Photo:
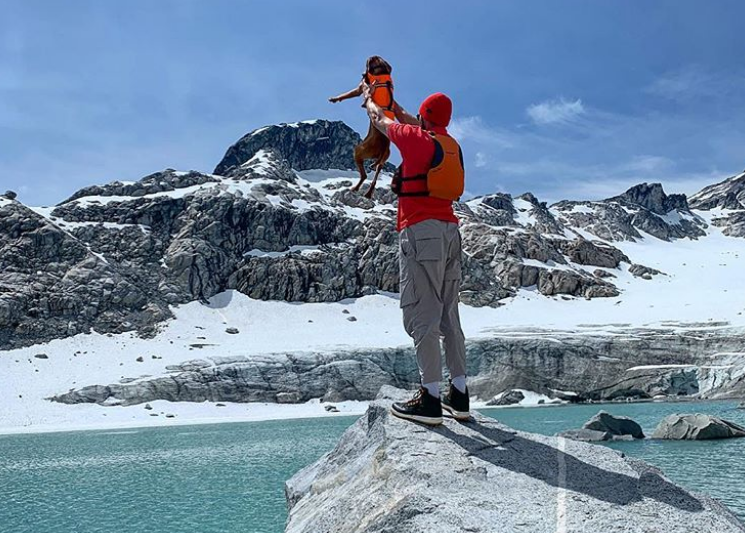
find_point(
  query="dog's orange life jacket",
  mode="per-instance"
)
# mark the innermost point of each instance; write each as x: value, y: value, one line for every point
x: 446, y: 176
x: 382, y: 92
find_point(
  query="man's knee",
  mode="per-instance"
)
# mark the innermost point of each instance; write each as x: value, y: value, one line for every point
x: 418, y: 325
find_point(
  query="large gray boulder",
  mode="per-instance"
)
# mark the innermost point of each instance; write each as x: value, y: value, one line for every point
x: 605, y: 426
x: 696, y: 427
x: 615, y: 425
x: 393, y: 476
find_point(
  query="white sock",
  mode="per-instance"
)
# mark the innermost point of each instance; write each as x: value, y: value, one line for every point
x: 432, y: 388
x: 459, y: 382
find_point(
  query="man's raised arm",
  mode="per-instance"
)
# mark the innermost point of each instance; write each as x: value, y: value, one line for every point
x: 403, y: 116
x: 375, y: 112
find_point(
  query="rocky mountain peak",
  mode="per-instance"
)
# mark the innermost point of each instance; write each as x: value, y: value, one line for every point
x: 312, y: 144
x: 727, y: 194
x: 651, y: 196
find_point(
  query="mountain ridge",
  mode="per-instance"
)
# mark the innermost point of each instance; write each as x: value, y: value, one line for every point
x: 172, y: 237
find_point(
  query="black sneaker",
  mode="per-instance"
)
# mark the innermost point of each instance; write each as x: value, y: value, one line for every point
x: 423, y: 407
x: 455, y: 402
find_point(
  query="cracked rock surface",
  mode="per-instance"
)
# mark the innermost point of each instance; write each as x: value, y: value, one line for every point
x: 389, y: 475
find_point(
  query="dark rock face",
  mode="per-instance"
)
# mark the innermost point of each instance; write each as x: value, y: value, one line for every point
x: 387, y: 475
x: 53, y: 285
x: 644, y: 272
x: 614, y: 425
x: 652, y: 198
x: 697, y: 427
x: 304, y: 145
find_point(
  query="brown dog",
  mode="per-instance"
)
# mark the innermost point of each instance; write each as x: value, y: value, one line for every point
x: 375, y: 145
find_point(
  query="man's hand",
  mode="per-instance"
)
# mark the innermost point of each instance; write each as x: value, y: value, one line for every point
x: 334, y: 99
x: 377, y: 117
x: 366, y: 91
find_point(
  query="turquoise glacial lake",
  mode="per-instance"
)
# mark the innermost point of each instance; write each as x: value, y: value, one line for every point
x: 226, y: 478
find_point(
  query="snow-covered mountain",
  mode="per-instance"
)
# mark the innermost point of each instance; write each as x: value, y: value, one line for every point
x: 119, y: 270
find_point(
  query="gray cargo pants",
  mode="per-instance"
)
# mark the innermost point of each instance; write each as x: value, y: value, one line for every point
x: 430, y: 264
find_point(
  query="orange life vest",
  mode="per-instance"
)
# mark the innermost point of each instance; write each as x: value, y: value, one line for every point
x: 446, y: 176
x: 382, y: 91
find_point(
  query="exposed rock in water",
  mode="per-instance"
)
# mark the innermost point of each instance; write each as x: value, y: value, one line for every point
x: 511, y: 397
x: 614, y: 425
x: 741, y: 406
x: 697, y: 427
x: 585, y: 435
x: 393, y: 476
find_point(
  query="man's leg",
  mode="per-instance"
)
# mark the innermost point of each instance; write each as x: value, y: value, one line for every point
x: 456, y: 399
x: 422, y: 261
x: 423, y: 256
x: 454, y: 340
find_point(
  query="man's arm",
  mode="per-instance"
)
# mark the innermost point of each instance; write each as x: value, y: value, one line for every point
x: 403, y: 116
x: 374, y: 111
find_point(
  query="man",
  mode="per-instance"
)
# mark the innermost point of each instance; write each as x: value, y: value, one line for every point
x: 429, y: 258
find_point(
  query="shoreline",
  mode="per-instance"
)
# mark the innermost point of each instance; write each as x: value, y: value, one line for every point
x: 272, y: 412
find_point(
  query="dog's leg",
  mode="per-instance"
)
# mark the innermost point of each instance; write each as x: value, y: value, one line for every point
x: 371, y: 190
x: 363, y: 151
x: 378, y: 167
x: 360, y: 161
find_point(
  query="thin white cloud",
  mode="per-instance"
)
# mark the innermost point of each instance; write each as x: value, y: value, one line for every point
x: 694, y: 81
x: 481, y: 160
x: 474, y: 129
x: 557, y: 111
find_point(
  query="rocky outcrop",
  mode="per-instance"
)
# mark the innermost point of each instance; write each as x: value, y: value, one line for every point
x: 594, y: 367
x: 643, y: 272
x: 614, y: 425
x: 389, y: 475
x: 586, y: 435
x: 53, y: 285
x: 604, y: 426
x: 696, y: 427
x: 728, y: 197
x: 313, y: 144
x: 643, y: 207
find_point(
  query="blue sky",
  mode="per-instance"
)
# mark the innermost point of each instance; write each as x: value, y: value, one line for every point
x: 572, y: 99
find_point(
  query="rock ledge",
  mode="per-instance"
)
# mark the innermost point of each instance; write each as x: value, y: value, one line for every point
x: 389, y: 475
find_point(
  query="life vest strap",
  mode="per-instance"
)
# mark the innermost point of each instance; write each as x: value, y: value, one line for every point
x: 415, y: 178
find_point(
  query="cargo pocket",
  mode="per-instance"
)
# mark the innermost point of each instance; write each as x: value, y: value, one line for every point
x: 408, y: 295
x: 428, y: 241
x: 453, y: 271
x: 453, y: 267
